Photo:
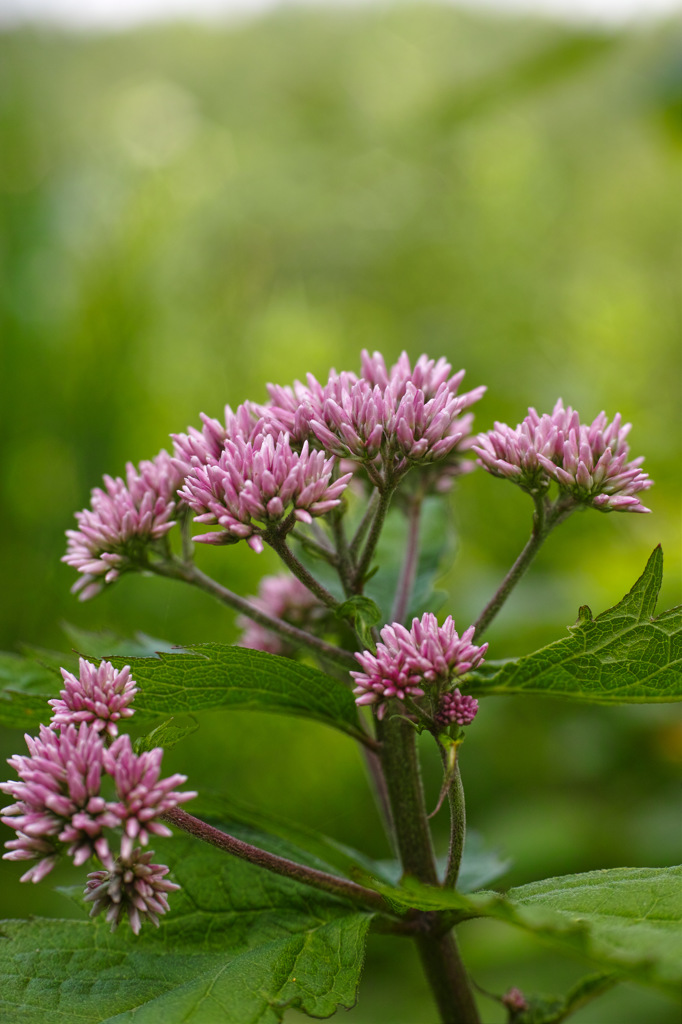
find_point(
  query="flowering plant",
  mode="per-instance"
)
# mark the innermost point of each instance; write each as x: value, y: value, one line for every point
x: 256, y: 924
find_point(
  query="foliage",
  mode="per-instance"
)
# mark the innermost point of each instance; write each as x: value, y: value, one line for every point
x: 506, y: 200
x: 240, y: 945
x: 622, y: 655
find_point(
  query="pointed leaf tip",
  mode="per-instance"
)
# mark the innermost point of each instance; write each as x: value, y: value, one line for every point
x: 622, y: 655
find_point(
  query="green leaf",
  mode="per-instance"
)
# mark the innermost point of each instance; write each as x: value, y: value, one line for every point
x: 26, y: 675
x: 238, y: 944
x: 624, y: 655
x: 23, y: 711
x: 624, y: 919
x: 25, y: 687
x: 363, y: 613
x: 206, y: 676
x: 167, y: 734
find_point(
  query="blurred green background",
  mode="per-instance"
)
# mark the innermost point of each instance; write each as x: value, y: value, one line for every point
x: 188, y: 213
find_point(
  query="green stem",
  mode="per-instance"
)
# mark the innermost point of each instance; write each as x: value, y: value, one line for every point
x: 545, y: 518
x: 373, y: 538
x: 186, y: 535
x: 457, y: 828
x: 278, y: 865
x: 279, y: 544
x: 409, y: 568
x: 363, y: 526
x: 438, y: 950
x: 188, y: 573
x: 343, y: 557
x: 448, y: 979
x: 403, y: 778
x: 322, y: 550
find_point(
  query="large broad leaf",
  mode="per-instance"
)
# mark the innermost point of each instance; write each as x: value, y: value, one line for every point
x: 208, y: 676
x: 625, y: 919
x: 239, y: 944
x: 622, y: 655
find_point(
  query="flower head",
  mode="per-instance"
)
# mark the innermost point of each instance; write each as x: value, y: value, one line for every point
x: 408, y: 660
x: 516, y: 453
x: 133, y: 887
x: 206, y: 445
x: 593, y: 467
x: 100, y: 695
x: 396, y: 417
x: 439, y: 651
x: 428, y: 375
x: 515, y: 1000
x: 124, y: 519
x: 290, y: 409
x: 455, y: 707
x: 258, y: 483
x: 588, y: 462
x: 385, y: 419
x: 58, y: 797
x: 283, y: 597
x: 43, y: 849
x: 142, y: 796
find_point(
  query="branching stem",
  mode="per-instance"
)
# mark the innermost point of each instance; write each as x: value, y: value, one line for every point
x: 278, y: 543
x: 374, y: 534
x: 278, y: 865
x: 545, y: 518
x: 189, y: 573
x: 363, y: 526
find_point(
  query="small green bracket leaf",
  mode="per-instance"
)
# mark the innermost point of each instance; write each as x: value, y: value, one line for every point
x: 364, y: 614
x: 167, y: 734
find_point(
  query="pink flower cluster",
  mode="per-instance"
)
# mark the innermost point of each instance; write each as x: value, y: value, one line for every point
x: 123, y: 519
x: 142, y: 796
x: 62, y: 804
x: 59, y: 799
x: 515, y: 1000
x: 409, y: 659
x: 385, y: 419
x: 283, y: 597
x: 590, y: 463
x: 206, y: 445
x: 275, y: 463
x: 456, y: 707
x: 258, y: 483
x: 131, y: 886
x: 100, y: 695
